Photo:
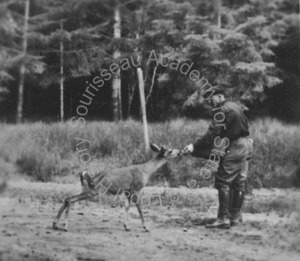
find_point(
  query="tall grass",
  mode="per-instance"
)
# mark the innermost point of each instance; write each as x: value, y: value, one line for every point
x: 49, y: 151
x: 276, y: 152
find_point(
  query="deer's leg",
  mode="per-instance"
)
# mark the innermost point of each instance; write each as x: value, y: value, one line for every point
x: 61, y: 210
x: 67, y: 216
x: 127, y: 206
x: 139, y: 208
x: 72, y: 200
x: 67, y: 202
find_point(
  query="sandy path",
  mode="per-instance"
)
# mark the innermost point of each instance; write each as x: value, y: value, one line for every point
x: 96, y: 233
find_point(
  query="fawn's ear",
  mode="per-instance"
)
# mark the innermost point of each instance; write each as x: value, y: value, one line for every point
x: 154, y: 147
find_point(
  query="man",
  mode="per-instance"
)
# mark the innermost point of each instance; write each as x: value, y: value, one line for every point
x: 228, y: 147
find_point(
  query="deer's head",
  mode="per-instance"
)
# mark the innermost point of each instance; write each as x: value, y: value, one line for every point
x: 164, y: 152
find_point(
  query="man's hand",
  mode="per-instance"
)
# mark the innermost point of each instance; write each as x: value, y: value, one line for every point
x: 188, y: 149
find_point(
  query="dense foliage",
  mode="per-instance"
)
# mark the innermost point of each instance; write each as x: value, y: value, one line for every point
x: 238, y: 44
x: 58, y: 151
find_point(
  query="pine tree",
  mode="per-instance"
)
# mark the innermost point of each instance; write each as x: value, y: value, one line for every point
x: 17, y: 25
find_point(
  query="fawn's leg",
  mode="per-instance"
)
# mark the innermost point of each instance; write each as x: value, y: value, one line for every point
x: 72, y: 200
x: 67, y: 202
x: 139, y: 208
x: 61, y: 210
x: 127, y: 206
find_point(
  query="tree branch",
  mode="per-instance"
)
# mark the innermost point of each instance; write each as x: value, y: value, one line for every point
x: 152, y: 83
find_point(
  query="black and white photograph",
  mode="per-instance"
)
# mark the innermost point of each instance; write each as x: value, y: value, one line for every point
x: 140, y: 130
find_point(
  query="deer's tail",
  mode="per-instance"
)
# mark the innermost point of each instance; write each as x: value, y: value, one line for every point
x: 86, y: 180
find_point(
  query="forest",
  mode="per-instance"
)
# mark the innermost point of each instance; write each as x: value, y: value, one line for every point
x: 52, y: 50
x: 88, y: 87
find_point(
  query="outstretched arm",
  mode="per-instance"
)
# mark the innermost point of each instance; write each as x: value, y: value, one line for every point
x: 203, y: 146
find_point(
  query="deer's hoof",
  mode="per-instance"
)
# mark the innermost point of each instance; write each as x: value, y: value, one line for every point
x: 54, y: 225
x: 146, y: 229
x: 126, y: 228
x: 65, y: 228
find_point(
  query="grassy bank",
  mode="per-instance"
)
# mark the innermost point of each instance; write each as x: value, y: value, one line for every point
x: 51, y: 152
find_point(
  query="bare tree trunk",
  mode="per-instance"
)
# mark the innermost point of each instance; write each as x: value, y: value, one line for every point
x: 61, y: 76
x: 22, y: 66
x: 131, y: 89
x: 71, y: 102
x: 116, y: 81
x: 217, y: 7
x: 152, y: 84
x: 218, y: 13
x: 143, y: 107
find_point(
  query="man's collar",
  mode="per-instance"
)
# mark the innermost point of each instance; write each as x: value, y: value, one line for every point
x: 220, y: 104
x: 223, y: 102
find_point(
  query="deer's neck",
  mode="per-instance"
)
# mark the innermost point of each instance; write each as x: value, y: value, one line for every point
x: 150, y: 167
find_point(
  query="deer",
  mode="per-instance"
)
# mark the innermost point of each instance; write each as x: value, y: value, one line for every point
x: 126, y: 181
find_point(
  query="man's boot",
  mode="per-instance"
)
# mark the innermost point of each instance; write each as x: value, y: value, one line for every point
x: 223, y: 213
x: 235, y: 208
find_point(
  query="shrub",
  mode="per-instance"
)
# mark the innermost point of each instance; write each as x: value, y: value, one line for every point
x: 45, y: 151
x: 276, y: 152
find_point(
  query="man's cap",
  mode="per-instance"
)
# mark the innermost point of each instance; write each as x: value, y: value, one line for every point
x: 214, y: 90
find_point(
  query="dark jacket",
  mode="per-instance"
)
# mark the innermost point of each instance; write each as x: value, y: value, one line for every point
x: 228, y: 121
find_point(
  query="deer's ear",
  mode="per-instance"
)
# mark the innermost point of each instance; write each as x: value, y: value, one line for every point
x: 154, y: 147
x: 163, y: 148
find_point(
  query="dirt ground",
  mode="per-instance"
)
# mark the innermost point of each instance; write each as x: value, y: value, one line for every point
x: 177, y: 232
